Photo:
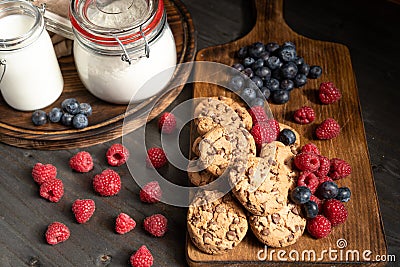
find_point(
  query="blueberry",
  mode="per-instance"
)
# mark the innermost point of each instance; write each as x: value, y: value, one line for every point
x: 238, y: 67
x: 272, y: 84
x: 264, y: 56
x: 85, y: 109
x: 315, y: 72
x: 344, y: 194
x: 287, y: 53
x: 80, y: 121
x: 289, y: 70
x: 257, y: 102
x: 328, y: 190
x: 258, y: 64
x: 273, y: 63
x: 248, y: 94
x: 287, y: 137
x: 300, y: 195
x: 271, y: 47
x: 248, y: 72
x: 55, y: 114
x: 256, y: 49
x: 236, y: 83
x: 304, y: 69
x: 257, y: 81
x: 298, y: 61
x: 70, y: 105
x: 66, y: 119
x: 299, y: 80
x: 248, y: 61
x: 276, y: 74
x: 310, y: 209
x: 39, y: 117
x: 266, y: 92
x: 243, y: 52
x: 287, y: 85
x: 289, y: 44
x: 280, y: 96
x: 263, y: 72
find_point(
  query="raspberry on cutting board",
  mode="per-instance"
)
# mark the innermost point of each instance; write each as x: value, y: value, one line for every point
x: 339, y: 169
x: 328, y: 129
x: 328, y: 93
x: 335, y: 211
x: 307, y: 162
x: 319, y: 227
x: 304, y: 115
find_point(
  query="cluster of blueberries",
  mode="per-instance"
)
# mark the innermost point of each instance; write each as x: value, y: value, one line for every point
x: 275, y: 69
x: 327, y: 190
x: 71, y: 113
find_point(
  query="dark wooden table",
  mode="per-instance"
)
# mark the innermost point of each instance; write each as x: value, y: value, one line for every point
x: 370, y: 30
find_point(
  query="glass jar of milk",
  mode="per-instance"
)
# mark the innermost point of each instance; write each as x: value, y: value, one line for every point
x: 120, y: 45
x: 30, y: 77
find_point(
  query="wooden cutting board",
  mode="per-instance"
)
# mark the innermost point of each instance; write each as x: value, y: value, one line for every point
x: 363, y: 230
x: 107, y: 121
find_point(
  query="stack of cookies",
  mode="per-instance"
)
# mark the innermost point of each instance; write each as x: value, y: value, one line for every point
x: 225, y: 150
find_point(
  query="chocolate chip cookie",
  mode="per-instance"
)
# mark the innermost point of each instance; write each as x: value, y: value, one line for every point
x: 218, y: 226
x: 279, y: 229
x: 263, y: 187
x: 199, y: 178
x: 220, y: 111
x: 223, y: 147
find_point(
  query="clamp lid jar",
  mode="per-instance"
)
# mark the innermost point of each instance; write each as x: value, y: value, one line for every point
x: 120, y: 45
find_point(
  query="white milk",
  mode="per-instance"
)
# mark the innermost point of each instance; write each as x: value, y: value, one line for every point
x: 32, y: 79
x: 112, y: 80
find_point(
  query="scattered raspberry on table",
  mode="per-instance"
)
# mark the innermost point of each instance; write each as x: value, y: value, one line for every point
x: 328, y: 129
x: 56, y: 233
x: 156, y: 158
x: 117, y: 155
x: 151, y: 192
x: 304, y: 115
x: 142, y: 258
x: 42, y: 173
x: 167, y: 123
x: 107, y: 183
x: 81, y: 162
x: 156, y: 225
x: 52, y: 190
x: 328, y: 93
x: 83, y: 209
x: 319, y: 227
x: 339, y: 169
x: 307, y: 162
x: 124, y: 223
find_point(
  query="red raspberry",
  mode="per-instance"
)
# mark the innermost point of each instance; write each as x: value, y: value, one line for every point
x: 42, y: 173
x: 107, y: 183
x: 274, y: 124
x: 52, y: 190
x: 319, y: 227
x: 307, y: 162
x: 328, y: 93
x: 324, y: 165
x: 117, y: 155
x: 304, y: 115
x: 263, y: 133
x: 156, y: 225
x: 335, y: 211
x: 142, y: 258
x: 318, y: 201
x: 324, y: 178
x: 81, y: 162
x: 258, y: 114
x: 56, y: 233
x: 83, y: 209
x: 156, y: 158
x: 339, y: 169
x: 124, y: 223
x: 310, y: 148
x: 151, y: 192
x: 309, y: 180
x: 328, y: 129
x: 167, y: 123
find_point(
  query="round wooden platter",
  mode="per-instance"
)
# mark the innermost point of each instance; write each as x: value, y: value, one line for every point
x: 107, y: 120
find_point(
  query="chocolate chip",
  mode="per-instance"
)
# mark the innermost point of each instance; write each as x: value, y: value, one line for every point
x: 296, y: 228
x: 290, y: 237
x: 207, y: 236
x: 265, y: 232
x: 251, y: 171
x: 295, y: 210
x: 236, y: 221
x: 276, y: 218
x: 231, y: 235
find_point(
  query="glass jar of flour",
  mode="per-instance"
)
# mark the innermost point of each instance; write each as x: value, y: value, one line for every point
x: 120, y: 45
x: 30, y: 77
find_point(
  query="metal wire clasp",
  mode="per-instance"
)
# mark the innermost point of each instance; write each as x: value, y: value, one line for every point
x: 125, y: 56
x: 3, y: 63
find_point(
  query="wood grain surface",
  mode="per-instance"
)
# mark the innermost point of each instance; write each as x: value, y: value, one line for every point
x: 107, y: 120
x: 363, y: 229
